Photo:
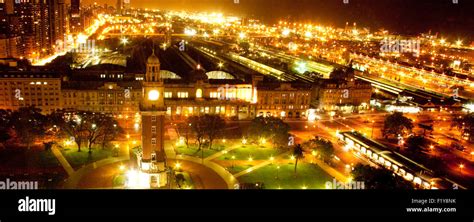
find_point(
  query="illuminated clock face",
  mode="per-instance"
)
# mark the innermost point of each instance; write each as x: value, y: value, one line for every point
x: 153, y: 95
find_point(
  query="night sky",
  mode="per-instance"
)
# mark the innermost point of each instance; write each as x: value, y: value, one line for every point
x: 402, y: 16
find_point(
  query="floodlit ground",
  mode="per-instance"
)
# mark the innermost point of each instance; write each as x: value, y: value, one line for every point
x: 308, y: 176
x: 79, y: 159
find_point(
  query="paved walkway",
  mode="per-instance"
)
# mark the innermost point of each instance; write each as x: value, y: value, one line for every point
x: 330, y: 170
x: 222, y: 152
x: 258, y: 166
x: 62, y: 160
x: 221, y: 171
x: 73, y: 181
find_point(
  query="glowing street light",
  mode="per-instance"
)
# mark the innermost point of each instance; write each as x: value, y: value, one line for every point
x: 124, y: 40
x: 177, y: 166
x: 244, y: 141
x: 461, y: 166
x: 122, y: 167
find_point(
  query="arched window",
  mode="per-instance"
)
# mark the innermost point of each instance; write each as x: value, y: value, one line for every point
x: 199, y: 93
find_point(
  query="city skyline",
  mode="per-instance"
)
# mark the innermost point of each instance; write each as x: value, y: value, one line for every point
x: 133, y: 98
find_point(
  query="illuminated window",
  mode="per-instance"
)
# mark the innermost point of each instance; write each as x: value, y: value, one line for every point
x: 218, y: 109
x: 168, y: 94
x: 215, y: 95
x: 207, y: 109
x: 168, y: 110
x: 153, y: 141
x: 199, y: 93
x: 153, y: 118
x: 182, y: 94
x: 178, y: 110
x: 153, y: 129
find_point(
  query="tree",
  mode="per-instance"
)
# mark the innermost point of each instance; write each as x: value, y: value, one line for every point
x: 99, y: 127
x: 417, y: 145
x: 5, y: 117
x: 466, y: 125
x: 180, y: 179
x: 298, y: 154
x: 396, y: 124
x: 185, y: 129
x: 323, y: 146
x: 71, y: 125
x: 28, y: 124
x: 271, y: 128
x: 214, y: 125
x: 378, y: 178
x: 198, y: 127
x: 87, y: 127
x: 111, y: 131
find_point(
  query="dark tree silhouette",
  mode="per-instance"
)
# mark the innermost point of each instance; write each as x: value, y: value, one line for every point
x: 298, y: 154
x: 396, y: 124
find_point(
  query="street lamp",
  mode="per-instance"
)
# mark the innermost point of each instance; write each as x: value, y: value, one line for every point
x: 278, y: 172
x: 461, y: 166
x: 272, y: 158
x: 314, y: 155
x: 177, y: 166
x: 233, y: 160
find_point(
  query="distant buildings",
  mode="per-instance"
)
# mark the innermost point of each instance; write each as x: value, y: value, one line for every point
x: 38, y: 24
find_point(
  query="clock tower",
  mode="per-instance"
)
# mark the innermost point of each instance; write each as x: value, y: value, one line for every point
x: 153, y: 110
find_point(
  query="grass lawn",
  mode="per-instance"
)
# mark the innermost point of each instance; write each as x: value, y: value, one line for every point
x: 22, y: 157
x: 78, y: 159
x: 239, y: 168
x: 193, y: 151
x: 309, y: 176
x: 255, y: 151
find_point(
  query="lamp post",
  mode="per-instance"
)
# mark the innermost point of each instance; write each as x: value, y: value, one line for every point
x: 233, y: 161
x: 278, y: 172
x: 461, y: 166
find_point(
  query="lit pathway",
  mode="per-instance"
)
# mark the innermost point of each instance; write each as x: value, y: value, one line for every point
x: 62, y: 160
x: 258, y: 166
x: 331, y: 171
x: 221, y: 171
x: 222, y: 152
x: 73, y: 181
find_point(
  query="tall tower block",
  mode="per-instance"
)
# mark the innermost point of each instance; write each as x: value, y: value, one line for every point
x: 153, y: 110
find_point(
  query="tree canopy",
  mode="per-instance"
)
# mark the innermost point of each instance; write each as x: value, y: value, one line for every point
x: 396, y: 124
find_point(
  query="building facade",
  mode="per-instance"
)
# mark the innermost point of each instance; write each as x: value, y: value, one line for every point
x: 42, y: 90
x: 284, y: 100
x: 341, y: 95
